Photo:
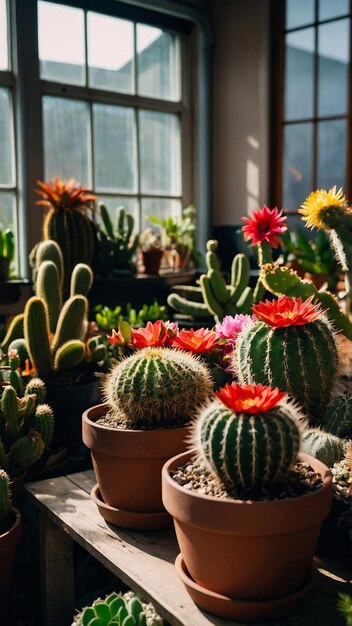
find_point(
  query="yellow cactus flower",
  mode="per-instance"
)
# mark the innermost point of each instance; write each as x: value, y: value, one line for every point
x: 317, y: 203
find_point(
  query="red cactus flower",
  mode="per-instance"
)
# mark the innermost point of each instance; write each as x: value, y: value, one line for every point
x: 197, y: 341
x: 116, y: 338
x: 152, y: 335
x: 249, y: 398
x: 287, y: 311
x: 264, y: 225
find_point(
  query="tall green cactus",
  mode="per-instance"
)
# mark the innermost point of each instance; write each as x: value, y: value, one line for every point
x: 81, y: 280
x: 5, y: 498
x: 323, y: 446
x: 299, y: 357
x: 117, y: 247
x: 246, y: 448
x: 15, y: 331
x: 157, y: 386
x: 48, y: 288
x: 44, y: 422
x: 36, y: 334
x: 10, y: 410
x: 337, y: 418
x: 47, y: 250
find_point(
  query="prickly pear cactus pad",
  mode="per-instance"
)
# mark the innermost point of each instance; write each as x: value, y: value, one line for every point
x: 291, y: 346
x: 249, y: 436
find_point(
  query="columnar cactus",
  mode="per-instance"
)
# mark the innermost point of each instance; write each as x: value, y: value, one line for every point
x: 323, y: 446
x: 118, y: 610
x: 338, y: 416
x: 26, y: 451
x: 290, y: 346
x: 157, y: 386
x: 5, y: 498
x: 248, y: 437
x: 37, y: 387
x: 15, y: 331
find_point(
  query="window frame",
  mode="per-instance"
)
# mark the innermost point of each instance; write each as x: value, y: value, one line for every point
x: 277, y: 118
x: 30, y: 118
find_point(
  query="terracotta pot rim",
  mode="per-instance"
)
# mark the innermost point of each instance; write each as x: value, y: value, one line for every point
x: 327, y: 478
x: 13, y: 528
x: 100, y: 427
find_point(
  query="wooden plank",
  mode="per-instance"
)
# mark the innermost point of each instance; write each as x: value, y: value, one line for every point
x: 144, y: 561
x: 57, y: 575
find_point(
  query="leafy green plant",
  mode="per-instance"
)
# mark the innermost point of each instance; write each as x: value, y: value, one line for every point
x: 119, y: 610
x: 179, y: 235
x: 344, y: 605
x: 108, y: 319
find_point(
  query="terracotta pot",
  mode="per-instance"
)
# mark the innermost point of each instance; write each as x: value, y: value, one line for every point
x: 257, y: 550
x: 128, y: 463
x: 152, y: 261
x: 8, y: 542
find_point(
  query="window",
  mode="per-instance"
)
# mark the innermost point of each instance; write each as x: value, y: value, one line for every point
x: 112, y: 108
x: 8, y: 177
x: 314, y: 114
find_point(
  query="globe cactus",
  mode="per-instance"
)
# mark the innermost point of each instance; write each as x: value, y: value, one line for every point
x: 290, y: 346
x: 36, y: 386
x: 323, y: 446
x: 249, y: 436
x: 338, y: 416
x: 157, y: 386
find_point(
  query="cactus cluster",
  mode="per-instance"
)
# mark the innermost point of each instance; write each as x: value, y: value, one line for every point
x: 117, y: 247
x: 5, y: 497
x: 218, y: 297
x: 248, y: 447
x: 26, y: 427
x: 118, y: 610
x: 299, y: 358
x: 323, y: 446
x: 157, y: 387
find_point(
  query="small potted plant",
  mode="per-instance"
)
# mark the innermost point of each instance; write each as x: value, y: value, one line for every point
x: 116, y: 247
x: 7, y: 251
x: 178, y: 237
x: 150, y: 398
x: 119, y: 610
x: 152, y: 251
x: 247, y: 510
x: 10, y: 521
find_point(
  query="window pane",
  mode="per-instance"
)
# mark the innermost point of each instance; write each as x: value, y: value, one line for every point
x: 66, y: 139
x: 297, y: 178
x: 299, y: 74
x: 333, y: 50
x: 299, y: 12
x: 110, y: 53
x: 4, y: 43
x: 158, y: 63
x: 114, y: 148
x: 329, y: 8
x: 113, y: 203
x: 61, y: 43
x: 161, y: 208
x: 7, y: 174
x: 8, y: 219
x: 160, y: 153
x: 331, y: 154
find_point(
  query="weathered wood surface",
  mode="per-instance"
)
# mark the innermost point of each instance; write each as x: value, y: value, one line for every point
x: 144, y: 561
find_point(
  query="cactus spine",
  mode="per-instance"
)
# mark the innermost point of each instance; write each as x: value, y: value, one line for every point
x: 144, y: 390
x: 323, y: 446
x: 247, y: 451
x: 301, y: 360
x: 5, y: 499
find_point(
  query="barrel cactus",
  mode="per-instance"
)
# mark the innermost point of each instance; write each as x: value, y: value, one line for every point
x: 119, y: 610
x: 157, y: 386
x: 249, y: 436
x: 290, y: 346
x: 5, y: 498
x: 67, y: 222
x: 338, y: 416
x: 323, y: 446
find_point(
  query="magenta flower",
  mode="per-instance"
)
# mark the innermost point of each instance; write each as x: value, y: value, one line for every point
x: 230, y: 327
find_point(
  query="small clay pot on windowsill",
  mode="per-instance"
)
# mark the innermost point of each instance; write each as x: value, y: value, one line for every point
x: 152, y: 261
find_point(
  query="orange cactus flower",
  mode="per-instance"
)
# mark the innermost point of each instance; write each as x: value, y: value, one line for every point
x: 264, y: 225
x: 286, y: 311
x: 116, y: 338
x: 28, y: 370
x: 151, y: 336
x: 249, y: 398
x: 64, y: 196
x: 197, y: 341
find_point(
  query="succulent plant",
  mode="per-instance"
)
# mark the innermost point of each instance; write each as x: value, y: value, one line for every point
x: 5, y: 498
x: 116, y: 245
x: 290, y: 346
x: 67, y: 223
x: 118, y: 610
x: 157, y: 386
x: 338, y: 416
x: 323, y: 446
x: 248, y: 436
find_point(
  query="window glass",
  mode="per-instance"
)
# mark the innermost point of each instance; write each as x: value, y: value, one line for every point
x: 299, y: 12
x: 159, y: 207
x: 110, y: 53
x: 157, y: 63
x: 114, y: 148
x: 333, y: 51
x: 160, y: 153
x: 61, y: 43
x: 333, y: 8
x: 299, y: 74
x: 7, y: 174
x: 4, y: 43
x: 297, y: 166
x: 331, y: 154
x: 66, y: 139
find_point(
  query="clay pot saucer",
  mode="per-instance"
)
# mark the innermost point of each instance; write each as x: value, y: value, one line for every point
x: 130, y: 519
x: 240, y: 610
